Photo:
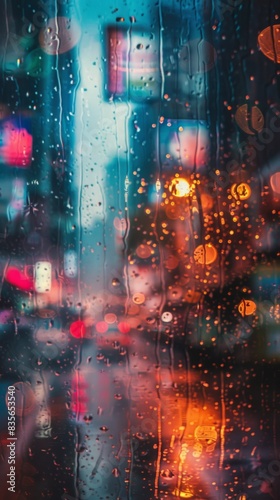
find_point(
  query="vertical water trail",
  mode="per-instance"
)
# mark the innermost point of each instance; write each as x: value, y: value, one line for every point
x: 161, y: 268
x: 79, y: 350
x: 126, y: 182
x: 161, y: 28
x: 59, y: 82
x: 4, y: 274
x: 159, y: 432
x: 223, y: 421
x: 125, y: 246
x: 59, y: 120
x: 78, y: 433
x: 6, y: 45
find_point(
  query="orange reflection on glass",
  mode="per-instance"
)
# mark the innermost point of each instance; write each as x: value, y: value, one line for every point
x: 206, y: 202
x: 179, y: 187
x: 241, y: 191
x: 269, y: 42
x: 171, y: 262
x: 205, y: 254
x: 207, y: 436
x: 144, y: 251
x: 274, y: 313
x: 247, y: 307
x: 249, y: 121
x: 275, y: 182
x: 192, y: 296
x: 188, y: 493
x: 138, y: 298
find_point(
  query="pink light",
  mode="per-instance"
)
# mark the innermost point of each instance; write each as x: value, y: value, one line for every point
x: 77, y: 329
x: 17, y: 148
x: 16, y: 278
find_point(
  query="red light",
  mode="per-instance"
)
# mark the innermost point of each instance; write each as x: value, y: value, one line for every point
x: 79, y: 389
x: 77, y: 329
x: 124, y: 327
x: 16, y: 278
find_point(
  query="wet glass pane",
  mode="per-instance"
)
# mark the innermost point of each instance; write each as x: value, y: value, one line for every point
x: 139, y: 249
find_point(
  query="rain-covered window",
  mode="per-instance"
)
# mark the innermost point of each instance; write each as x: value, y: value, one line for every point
x: 139, y: 249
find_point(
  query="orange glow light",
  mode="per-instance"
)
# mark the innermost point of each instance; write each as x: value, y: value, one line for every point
x: 269, y: 42
x: 250, y: 122
x: 179, y: 187
x: 247, y: 307
x: 275, y: 182
x: 241, y: 191
x: 205, y: 254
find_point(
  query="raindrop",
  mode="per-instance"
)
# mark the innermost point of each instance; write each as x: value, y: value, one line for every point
x: 116, y: 472
x: 115, y: 282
